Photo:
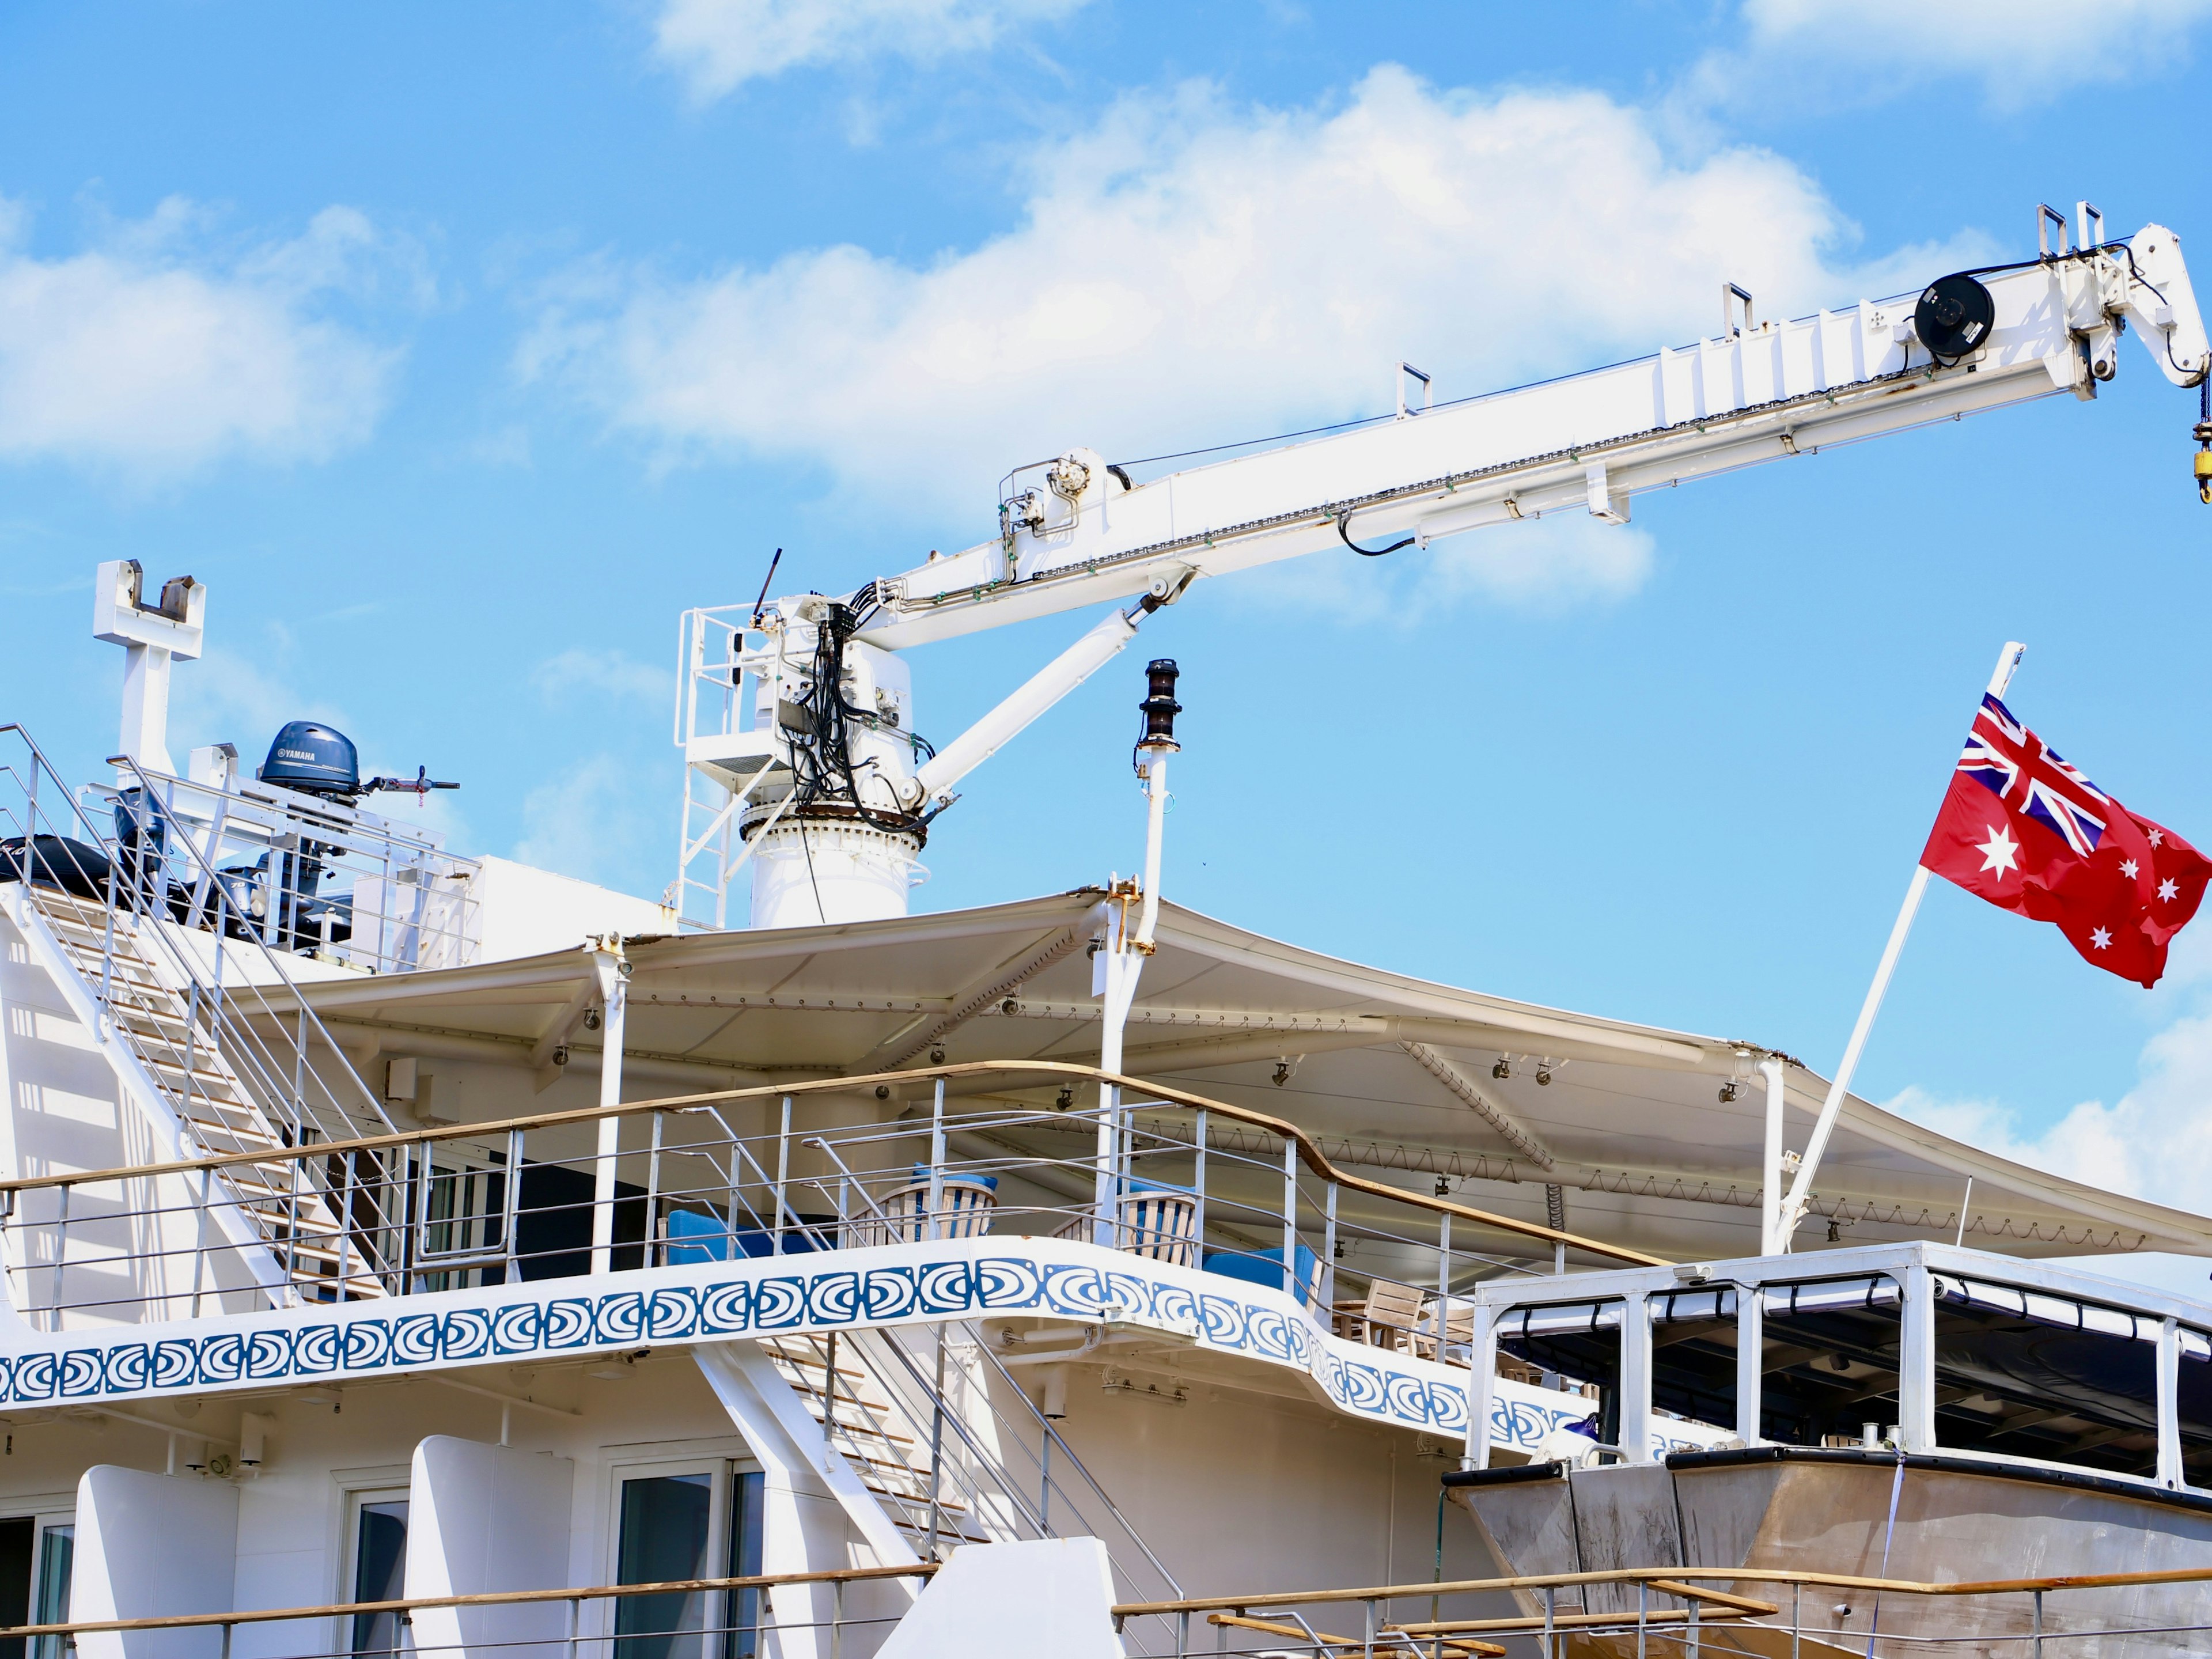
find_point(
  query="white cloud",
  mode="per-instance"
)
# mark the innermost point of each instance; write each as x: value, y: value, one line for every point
x: 2023, y: 52
x: 718, y: 45
x: 597, y: 821
x: 1562, y: 559
x: 153, y: 354
x: 2155, y: 1142
x: 1188, y: 271
x: 611, y: 674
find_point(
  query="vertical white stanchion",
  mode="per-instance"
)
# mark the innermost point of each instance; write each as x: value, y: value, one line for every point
x: 613, y: 974
x: 1769, y: 1182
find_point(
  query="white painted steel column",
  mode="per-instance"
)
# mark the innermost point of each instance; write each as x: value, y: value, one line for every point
x: 614, y: 1000
x: 1636, y: 1378
x: 1750, y: 1349
x: 1117, y: 972
x: 1801, y: 1191
x: 2170, y: 1474
x: 1482, y: 1372
x: 1916, y: 1362
x: 1156, y: 803
x: 1770, y: 1181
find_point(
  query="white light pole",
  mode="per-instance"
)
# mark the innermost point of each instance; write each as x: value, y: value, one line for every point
x: 1114, y: 977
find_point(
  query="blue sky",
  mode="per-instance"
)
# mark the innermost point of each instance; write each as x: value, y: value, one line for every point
x: 457, y: 348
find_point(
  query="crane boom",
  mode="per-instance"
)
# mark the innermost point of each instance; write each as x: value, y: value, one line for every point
x: 813, y: 770
x: 1590, y: 441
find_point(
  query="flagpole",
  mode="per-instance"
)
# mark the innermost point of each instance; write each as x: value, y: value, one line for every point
x: 1794, y: 1206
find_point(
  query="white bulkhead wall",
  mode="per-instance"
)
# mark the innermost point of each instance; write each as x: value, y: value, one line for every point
x: 65, y: 1106
x: 1234, y: 1488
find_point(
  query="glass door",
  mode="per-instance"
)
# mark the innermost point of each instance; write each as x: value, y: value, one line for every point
x: 379, y: 1570
x: 678, y: 1524
x: 50, y: 1599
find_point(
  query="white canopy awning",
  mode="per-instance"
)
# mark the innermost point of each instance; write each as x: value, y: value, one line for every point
x: 1391, y: 1075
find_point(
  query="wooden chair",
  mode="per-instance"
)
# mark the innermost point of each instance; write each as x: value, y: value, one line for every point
x: 1160, y: 1224
x: 1459, y: 1332
x: 1386, y: 1317
x: 964, y: 1210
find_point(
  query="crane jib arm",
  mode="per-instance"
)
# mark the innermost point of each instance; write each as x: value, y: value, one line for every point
x: 1588, y: 443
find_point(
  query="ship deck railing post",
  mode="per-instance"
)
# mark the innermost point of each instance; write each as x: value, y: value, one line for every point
x: 575, y: 1605
x: 1642, y: 1614
x: 782, y: 1173
x: 61, y: 1253
x: 1369, y: 1651
x: 1797, y: 1619
x: 2038, y: 1624
x: 1182, y: 1634
x: 838, y: 1619
x: 1290, y: 1216
x: 1691, y: 1641
x: 655, y: 1253
x: 1198, y: 1186
x: 1327, y: 1274
x: 936, y: 1228
x: 227, y: 1630
x: 1551, y: 1650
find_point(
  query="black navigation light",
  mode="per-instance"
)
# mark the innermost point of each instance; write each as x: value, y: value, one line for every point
x: 1953, y: 317
x: 1159, y: 705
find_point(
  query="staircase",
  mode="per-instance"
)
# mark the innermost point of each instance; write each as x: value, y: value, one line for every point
x: 177, y: 1032
x: 927, y: 1499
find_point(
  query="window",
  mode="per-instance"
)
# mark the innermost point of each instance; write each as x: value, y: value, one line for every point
x: 19, y: 1539
x: 51, y: 1605
x: 689, y: 1524
x: 379, y: 1570
x: 2047, y: 1376
x: 667, y: 1526
x: 1574, y: 1348
x: 1693, y: 1358
x: 1828, y: 1361
x: 749, y: 1490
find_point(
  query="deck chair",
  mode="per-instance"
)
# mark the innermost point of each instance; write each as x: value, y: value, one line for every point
x: 1386, y: 1317
x: 1459, y: 1332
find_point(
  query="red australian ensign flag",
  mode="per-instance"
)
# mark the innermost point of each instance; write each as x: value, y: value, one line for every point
x: 2028, y: 831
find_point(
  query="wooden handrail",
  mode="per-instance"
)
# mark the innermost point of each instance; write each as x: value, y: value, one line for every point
x: 481, y: 1599
x: 1672, y: 1581
x: 1272, y: 1627
x: 1677, y: 1582
x: 1310, y: 1151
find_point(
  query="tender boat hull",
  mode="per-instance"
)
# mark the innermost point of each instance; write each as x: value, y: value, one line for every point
x: 1956, y: 1520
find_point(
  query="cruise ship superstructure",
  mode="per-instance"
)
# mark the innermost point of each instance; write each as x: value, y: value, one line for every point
x: 412, y: 1250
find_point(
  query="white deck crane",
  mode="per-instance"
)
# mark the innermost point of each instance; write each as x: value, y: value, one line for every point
x: 797, y: 717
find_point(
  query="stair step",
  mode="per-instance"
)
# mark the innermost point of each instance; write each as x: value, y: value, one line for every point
x: 851, y: 1424
x: 945, y: 1505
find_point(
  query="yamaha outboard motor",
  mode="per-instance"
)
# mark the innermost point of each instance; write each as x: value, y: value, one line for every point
x: 314, y: 759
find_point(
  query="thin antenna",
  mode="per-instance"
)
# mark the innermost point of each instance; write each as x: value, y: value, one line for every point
x: 765, y: 580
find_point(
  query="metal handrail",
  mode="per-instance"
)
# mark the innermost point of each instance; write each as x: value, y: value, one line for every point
x: 1308, y: 1152
x: 479, y: 1599
x: 1689, y: 1578
x: 300, y: 1007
